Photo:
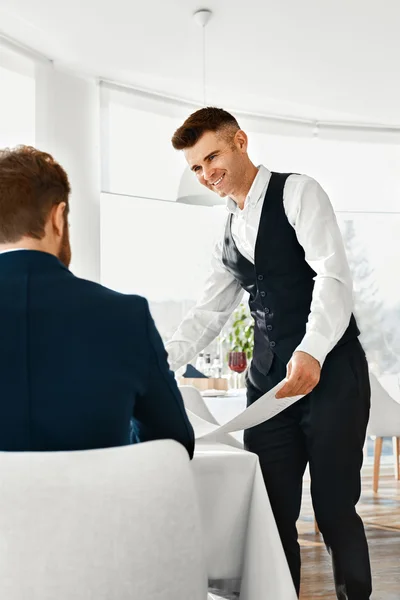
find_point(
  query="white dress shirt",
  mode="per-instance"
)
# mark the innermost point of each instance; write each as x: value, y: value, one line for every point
x: 310, y: 213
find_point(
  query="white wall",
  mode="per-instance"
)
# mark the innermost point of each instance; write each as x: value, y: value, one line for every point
x: 68, y: 125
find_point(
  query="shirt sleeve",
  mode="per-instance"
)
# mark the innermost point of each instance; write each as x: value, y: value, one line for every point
x: 310, y: 212
x: 222, y: 294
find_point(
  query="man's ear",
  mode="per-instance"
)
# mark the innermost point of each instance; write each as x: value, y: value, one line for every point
x: 241, y: 140
x: 58, y: 218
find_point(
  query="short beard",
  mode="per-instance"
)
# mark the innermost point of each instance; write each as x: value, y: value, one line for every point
x: 64, y: 253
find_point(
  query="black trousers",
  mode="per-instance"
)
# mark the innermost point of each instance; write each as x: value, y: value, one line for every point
x: 326, y: 429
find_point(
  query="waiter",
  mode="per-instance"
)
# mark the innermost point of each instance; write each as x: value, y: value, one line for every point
x: 283, y: 246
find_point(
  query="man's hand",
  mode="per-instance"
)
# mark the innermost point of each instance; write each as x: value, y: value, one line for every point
x: 303, y: 373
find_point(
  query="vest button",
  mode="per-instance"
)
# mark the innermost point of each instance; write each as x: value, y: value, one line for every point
x: 262, y: 294
x: 261, y: 277
x: 269, y: 327
x: 272, y: 344
x: 266, y: 310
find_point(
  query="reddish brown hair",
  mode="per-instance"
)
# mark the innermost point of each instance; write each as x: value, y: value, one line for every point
x: 205, y: 119
x: 31, y: 183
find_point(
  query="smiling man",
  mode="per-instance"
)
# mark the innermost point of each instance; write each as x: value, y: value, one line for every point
x: 283, y: 246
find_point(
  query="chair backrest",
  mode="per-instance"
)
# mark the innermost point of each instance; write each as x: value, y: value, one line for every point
x: 120, y: 523
x: 391, y: 385
x: 385, y: 411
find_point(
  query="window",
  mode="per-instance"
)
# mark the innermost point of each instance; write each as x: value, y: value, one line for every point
x: 137, y: 156
x: 160, y: 250
x: 163, y: 249
x: 357, y: 176
x: 363, y: 183
x: 151, y: 245
x: 373, y: 251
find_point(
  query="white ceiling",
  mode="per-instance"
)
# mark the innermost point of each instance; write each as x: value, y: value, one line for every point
x: 323, y: 59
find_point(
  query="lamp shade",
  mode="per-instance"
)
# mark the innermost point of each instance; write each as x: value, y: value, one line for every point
x: 192, y: 192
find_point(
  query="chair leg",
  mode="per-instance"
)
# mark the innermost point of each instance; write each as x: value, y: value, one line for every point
x: 396, y: 455
x: 377, y: 462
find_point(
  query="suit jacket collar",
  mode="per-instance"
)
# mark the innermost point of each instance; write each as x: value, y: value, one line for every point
x: 23, y: 260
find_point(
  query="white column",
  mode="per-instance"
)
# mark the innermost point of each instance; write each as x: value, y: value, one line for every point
x: 68, y: 126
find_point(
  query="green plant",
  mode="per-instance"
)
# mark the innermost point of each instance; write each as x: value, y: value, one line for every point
x: 238, y: 334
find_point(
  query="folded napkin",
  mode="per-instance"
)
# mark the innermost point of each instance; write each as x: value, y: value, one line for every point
x: 192, y: 373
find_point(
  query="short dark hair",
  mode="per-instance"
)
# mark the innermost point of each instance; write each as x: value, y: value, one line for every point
x: 31, y: 183
x: 201, y: 121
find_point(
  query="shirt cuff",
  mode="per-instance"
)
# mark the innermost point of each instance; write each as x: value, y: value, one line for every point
x: 315, y: 344
x: 175, y: 364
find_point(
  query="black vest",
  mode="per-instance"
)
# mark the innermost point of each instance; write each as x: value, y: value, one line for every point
x: 280, y: 283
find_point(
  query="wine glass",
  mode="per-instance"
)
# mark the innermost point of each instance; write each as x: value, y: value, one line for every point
x: 237, y: 362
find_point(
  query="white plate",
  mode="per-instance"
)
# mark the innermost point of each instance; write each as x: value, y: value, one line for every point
x: 207, y: 393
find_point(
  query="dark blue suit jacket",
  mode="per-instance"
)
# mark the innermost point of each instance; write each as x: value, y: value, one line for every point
x: 81, y: 366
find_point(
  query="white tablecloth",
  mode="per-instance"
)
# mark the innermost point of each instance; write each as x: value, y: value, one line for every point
x: 241, y: 536
x: 225, y: 408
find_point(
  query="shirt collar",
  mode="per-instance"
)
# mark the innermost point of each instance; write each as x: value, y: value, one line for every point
x: 256, y: 192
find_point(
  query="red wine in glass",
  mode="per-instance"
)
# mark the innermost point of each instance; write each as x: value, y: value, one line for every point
x: 237, y: 362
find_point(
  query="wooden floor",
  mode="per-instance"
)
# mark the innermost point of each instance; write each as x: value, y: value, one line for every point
x: 381, y: 515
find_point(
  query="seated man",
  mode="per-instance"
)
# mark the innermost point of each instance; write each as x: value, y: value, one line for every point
x: 78, y: 362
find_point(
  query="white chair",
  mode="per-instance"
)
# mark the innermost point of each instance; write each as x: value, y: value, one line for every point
x: 391, y: 385
x: 113, y: 524
x: 384, y: 421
